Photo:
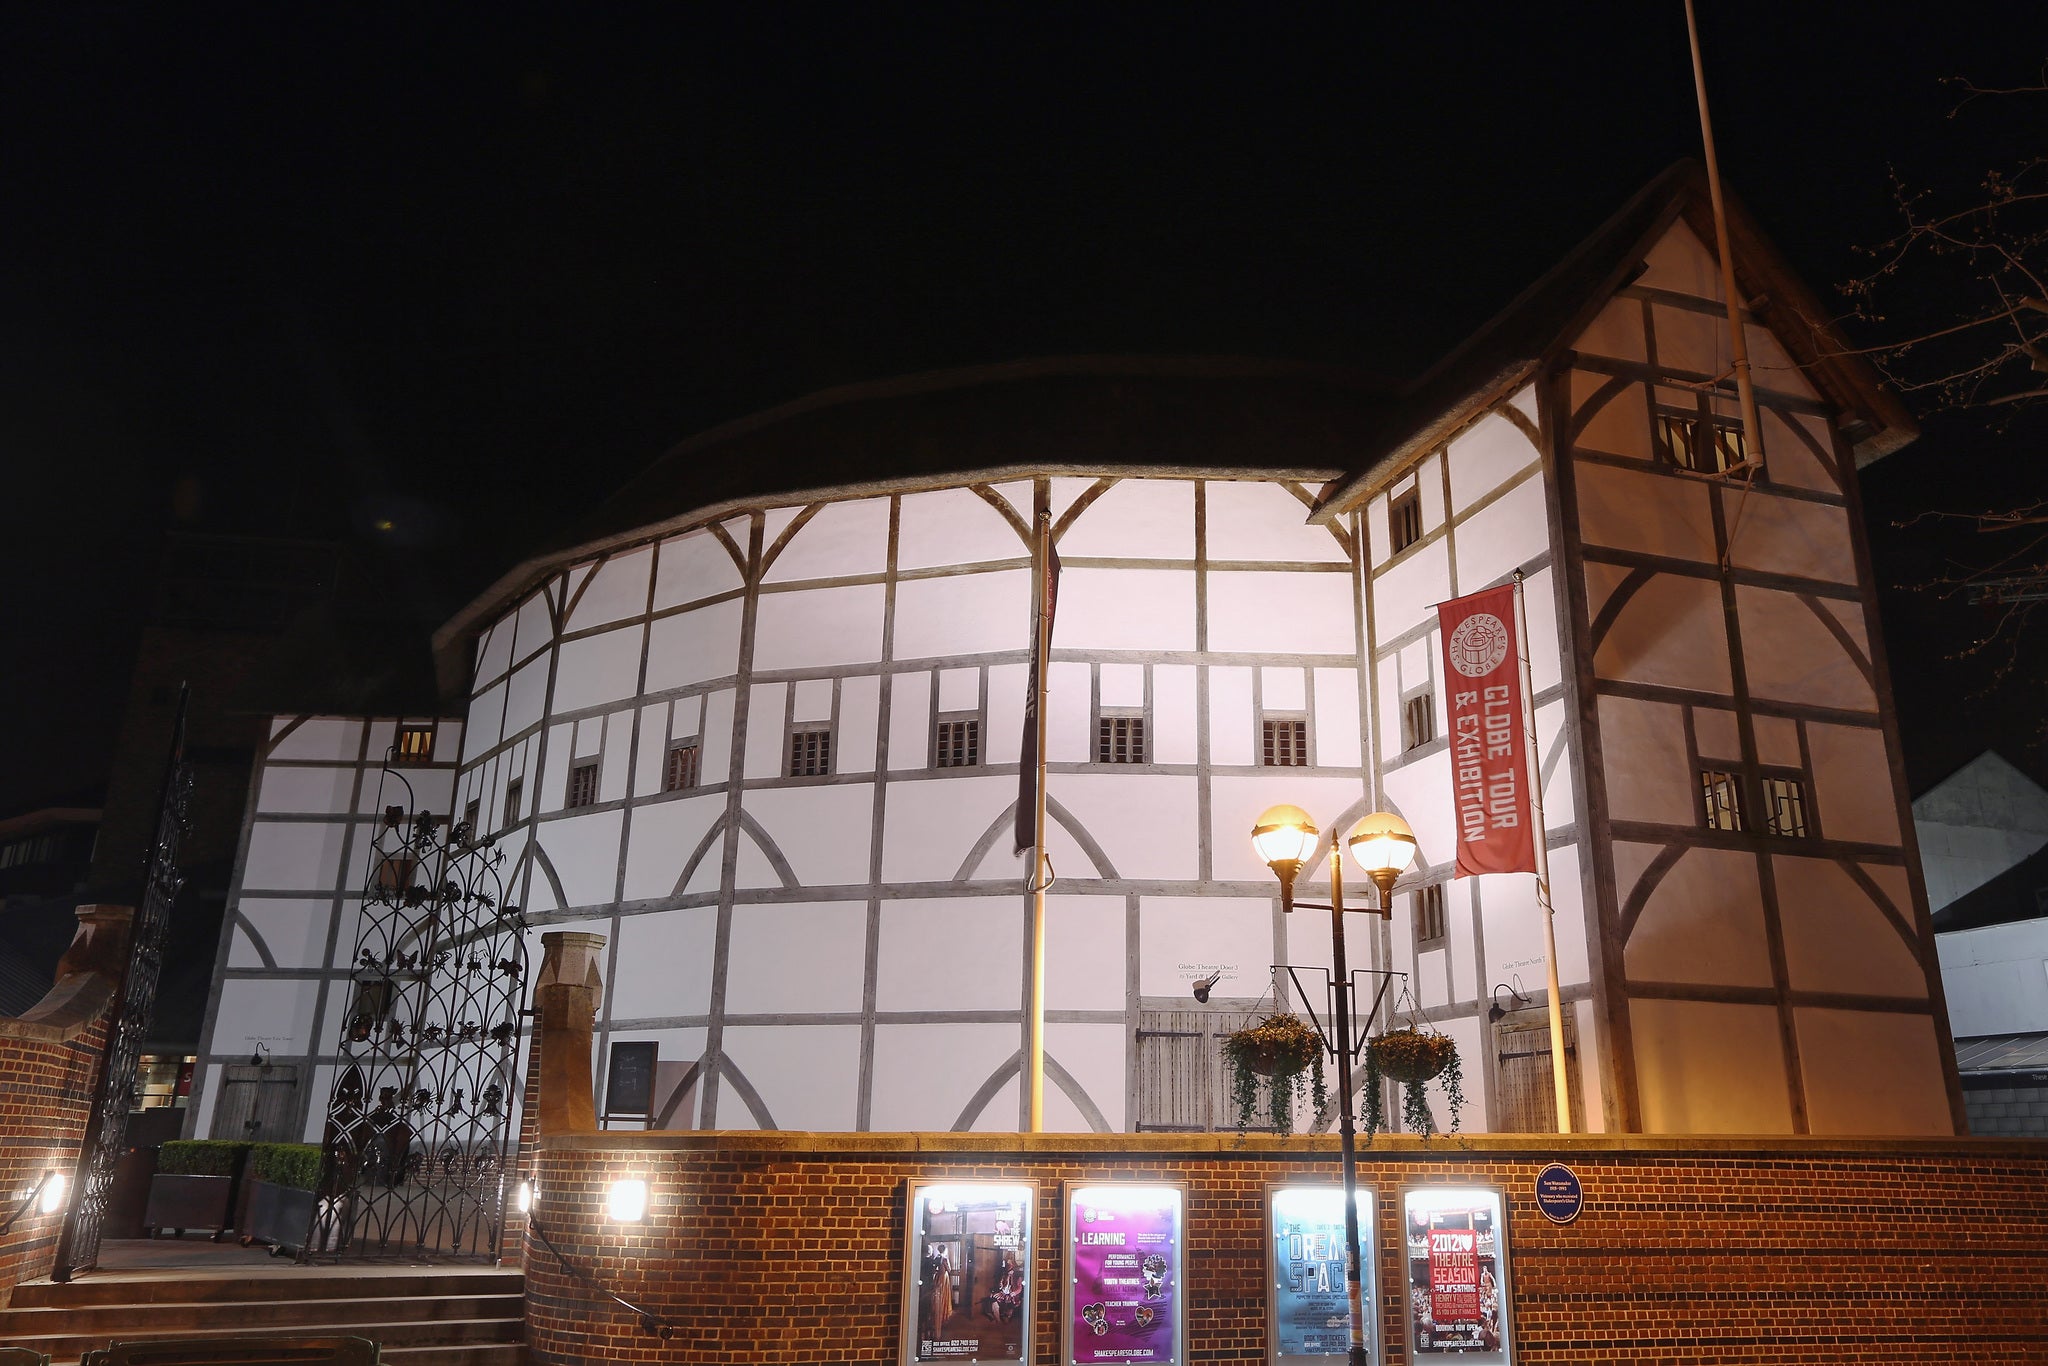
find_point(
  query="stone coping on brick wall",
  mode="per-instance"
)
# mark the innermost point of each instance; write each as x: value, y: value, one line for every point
x: 87, y: 977
x: 1268, y: 1147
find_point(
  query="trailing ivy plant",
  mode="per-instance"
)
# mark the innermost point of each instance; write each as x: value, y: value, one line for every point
x: 1413, y: 1058
x: 1285, y: 1049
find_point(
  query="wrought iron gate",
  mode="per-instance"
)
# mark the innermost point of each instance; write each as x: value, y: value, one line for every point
x: 106, y: 1133
x: 418, y: 1121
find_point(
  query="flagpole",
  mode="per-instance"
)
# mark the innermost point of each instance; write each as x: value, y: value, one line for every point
x: 1034, y: 1064
x: 1539, y: 837
x: 1745, y: 390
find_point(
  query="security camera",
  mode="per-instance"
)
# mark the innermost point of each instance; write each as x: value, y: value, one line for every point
x: 1206, y: 985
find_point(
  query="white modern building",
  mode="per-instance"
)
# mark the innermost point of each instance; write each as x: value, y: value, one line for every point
x: 756, y: 721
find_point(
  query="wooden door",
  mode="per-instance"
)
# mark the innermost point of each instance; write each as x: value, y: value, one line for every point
x: 259, y: 1104
x: 1183, y: 1084
x: 1522, y: 1081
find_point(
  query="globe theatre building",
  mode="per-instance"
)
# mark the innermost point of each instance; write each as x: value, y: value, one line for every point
x: 756, y: 721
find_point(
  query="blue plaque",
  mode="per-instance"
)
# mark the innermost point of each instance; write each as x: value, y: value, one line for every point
x: 1559, y: 1194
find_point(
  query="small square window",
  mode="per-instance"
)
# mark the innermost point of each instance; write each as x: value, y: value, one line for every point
x: 1418, y: 721
x: 1721, y: 798
x: 1120, y: 740
x: 1429, y: 916
x: 810, y: 753
x: 1701, y: 444
x: 415, y: 745
x: 1785, y: 806
x: 681, y: 770
x: 395, y: 874
x: 514, y: 790
x: 1404, y: 517
x: 1286, y: 744
x: 370, y: 1009
x: 959, y: 744
x: 583, y: 784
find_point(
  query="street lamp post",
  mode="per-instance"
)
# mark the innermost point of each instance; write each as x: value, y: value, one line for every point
x: 1383, y: 844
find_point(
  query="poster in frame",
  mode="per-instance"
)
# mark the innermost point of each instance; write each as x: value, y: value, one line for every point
x: 1456, y: 1272
x: 968, y: 1285
x: 1308, y: 1306
x: 1124, y: 1256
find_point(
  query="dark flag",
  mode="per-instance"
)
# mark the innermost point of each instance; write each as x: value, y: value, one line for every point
x: 1029, y: 773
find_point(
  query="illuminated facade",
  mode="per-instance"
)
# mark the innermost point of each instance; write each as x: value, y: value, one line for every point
x: 767, y: 742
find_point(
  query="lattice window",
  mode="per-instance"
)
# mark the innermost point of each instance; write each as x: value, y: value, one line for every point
x: 415, y: 745
x: 471, y: 814
x: 1429, y: 916
x: 1721, y: 799
x: 1404, y: 516
x: 583, y: 784
x: 514, y: 791
x: 1418, y: 721
x: 1286, y: 744
x: 681, y: 770
x: 1120, y: 740
x: 959, y: 744
x: 1701, y: 444
x: 1785, y: 806
x: 810, y: 753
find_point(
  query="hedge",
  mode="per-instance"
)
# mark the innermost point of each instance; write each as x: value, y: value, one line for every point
x: 296, y: 1165
x: 200, y: 1156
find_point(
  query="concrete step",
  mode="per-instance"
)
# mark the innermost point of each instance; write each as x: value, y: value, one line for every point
x: 153, y: 1319
x: 288, y: 1284
x: 390, y: 1336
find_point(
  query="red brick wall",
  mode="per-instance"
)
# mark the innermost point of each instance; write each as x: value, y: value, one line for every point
x: 46, y: 1092
x: 787, y: 1247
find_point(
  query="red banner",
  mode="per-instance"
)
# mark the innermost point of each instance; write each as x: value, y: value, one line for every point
x: 1489, y: 763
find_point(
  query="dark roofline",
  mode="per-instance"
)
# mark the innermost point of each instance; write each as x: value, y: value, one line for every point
x: 1541, y: 321
x: 2007, y: 899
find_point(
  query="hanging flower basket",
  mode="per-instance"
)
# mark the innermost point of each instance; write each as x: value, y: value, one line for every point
x: 1277, y: 1045
x: 1414, y: 1059
x: 1287, y: 1051
x: 1409, y: 1055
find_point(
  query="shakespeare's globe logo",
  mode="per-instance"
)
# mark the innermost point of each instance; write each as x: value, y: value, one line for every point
x: 1478, y: 645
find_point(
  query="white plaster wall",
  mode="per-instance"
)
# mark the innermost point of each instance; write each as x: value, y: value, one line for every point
x: 1976, y: 823
x: 1996, y: 978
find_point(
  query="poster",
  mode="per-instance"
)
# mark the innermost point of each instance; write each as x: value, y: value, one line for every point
x: 1309, y: 1305
x: 1489, y: 760
x: 967, y: 1271
x: 1124, y: 1245
x: 1457, y: 1275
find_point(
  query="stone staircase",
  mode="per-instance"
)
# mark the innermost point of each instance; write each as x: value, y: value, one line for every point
x: 420, y: 1316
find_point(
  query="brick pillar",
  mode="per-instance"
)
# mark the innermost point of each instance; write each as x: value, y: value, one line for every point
x: 559, y: 1096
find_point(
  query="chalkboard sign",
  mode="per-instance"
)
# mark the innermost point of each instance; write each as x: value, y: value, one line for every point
x: 629, y: 1082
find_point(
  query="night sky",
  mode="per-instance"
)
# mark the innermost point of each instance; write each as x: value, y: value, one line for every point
x: 297, y: 271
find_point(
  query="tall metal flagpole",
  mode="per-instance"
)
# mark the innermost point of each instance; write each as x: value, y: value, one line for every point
x: 1539, y: 839
x: 1034, y: 1065
x: 1739, y: 353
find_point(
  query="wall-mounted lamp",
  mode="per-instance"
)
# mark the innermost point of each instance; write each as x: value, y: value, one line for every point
x: 260, y: 1055
x: 626, y: 1202
x: 1207, y: 985
x: 524, y: 1197
x: 1494, y: 1012
x: 55, y: 1184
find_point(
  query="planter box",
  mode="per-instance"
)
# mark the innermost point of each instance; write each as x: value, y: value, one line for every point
x: 182, y: 1202
x: 278, y: 1215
